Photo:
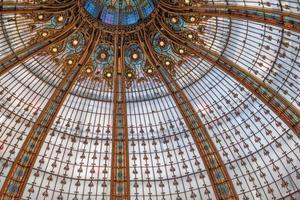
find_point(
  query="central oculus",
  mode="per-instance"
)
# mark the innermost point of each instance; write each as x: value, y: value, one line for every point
x: 120, y: 12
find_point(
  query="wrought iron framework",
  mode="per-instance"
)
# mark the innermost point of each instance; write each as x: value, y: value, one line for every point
x: 288, y: 113
x: 20, y: 171
x: 12, y: 60
x: 217, y: 172
x: 120, y: 182
x: 274, y: 17
x: 139, y: 64
x: 25, y: 7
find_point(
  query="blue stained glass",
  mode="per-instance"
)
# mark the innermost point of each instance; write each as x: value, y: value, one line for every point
x: 91, y: 8
x: 108, y: 17
x: 121, y: 12
x: 131, y: 18
x: 148, y: 8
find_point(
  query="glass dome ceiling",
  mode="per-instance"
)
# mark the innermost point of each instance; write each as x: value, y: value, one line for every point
x: 197, y: 100
x: 120, y: 12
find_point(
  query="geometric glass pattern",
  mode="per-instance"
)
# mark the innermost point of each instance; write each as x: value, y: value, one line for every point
x: 120, y: 12
x: 141, y: 99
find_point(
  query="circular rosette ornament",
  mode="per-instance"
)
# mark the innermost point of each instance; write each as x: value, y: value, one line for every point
x: 42, y: 35
x: 103, y: 58
x: 41, y: 17
x: 168, y: 63
x: 179, y: 50
x: 69, y: 62
x: 56, y: 49
x: 134, y: 57
x: 75, y: 43
x: 88, y: 70
x: 108, y: 73
x: 190, y: 35
x: 176, y: 22
x: 192, y: 19
x: 57, y: 22
x: 161, y: 44
x: 149, y: 70
x: 130, y: 74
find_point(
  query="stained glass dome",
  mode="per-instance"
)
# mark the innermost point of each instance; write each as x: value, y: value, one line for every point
x: 149, y: 100
x: 120, y: 12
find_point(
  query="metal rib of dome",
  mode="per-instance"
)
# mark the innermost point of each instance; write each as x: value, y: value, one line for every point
x: 121, y: 100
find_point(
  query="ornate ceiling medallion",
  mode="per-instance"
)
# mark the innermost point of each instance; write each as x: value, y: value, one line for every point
x: 120, y: 12
x: 135, y: 24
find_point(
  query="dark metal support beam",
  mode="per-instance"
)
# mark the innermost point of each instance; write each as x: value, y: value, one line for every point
x: 274, y: 17
x: 289, y: 114
x: 120, y: 181
x: 21, y: 168
x: 217, y: 172
x: 24, y: 7
x: 12, y: 60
